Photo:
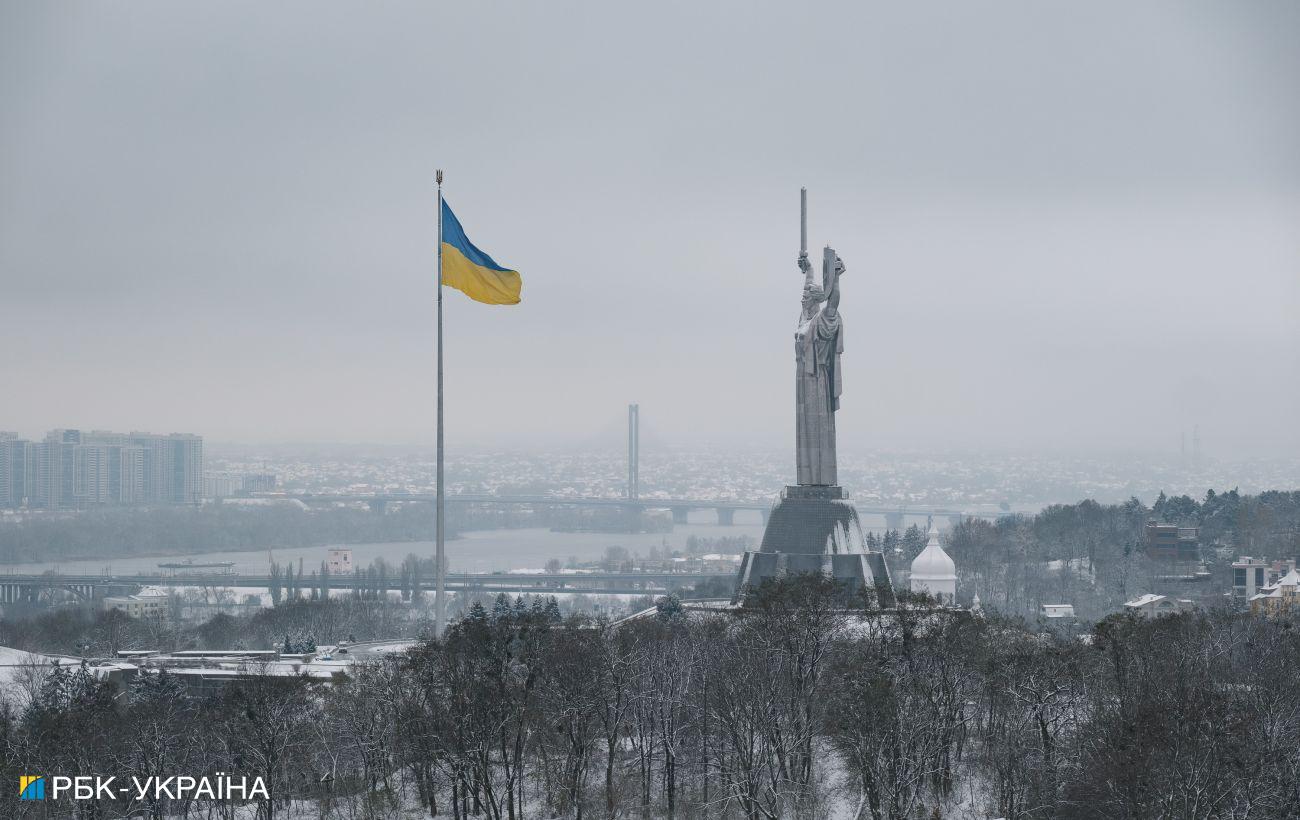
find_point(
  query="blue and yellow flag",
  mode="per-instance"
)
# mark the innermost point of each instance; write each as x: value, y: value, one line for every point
x: 472, y: 272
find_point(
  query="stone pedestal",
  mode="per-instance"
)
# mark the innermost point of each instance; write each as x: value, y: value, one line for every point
x: 815, y: 529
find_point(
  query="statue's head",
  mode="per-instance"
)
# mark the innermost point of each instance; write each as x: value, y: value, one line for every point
x: 813, y: 296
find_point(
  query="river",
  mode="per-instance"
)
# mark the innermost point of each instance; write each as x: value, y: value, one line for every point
x: 476, y: 551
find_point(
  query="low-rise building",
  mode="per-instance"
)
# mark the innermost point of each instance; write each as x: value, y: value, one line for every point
x: 339, y: 562
x: 1057, y: 611
x: 1153, y: 606
x: 1278, y: 570
x: 1279, y: 597
x: 147, y: 603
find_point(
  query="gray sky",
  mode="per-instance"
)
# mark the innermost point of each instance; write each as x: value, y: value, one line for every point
x: 1065, y: 224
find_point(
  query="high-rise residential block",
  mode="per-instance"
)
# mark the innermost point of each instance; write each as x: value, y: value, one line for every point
x: 75, y: 469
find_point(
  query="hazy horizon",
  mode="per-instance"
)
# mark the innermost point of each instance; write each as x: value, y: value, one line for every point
x: 1070, y: 229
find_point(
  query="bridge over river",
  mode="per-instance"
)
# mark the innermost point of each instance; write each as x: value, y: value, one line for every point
x: 895, y: 516
x: 15, y: 588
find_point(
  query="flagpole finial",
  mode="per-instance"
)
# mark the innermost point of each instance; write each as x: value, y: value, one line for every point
x: 439, y: 176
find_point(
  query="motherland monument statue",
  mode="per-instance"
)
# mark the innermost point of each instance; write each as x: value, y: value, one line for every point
x: 818, y: 343
x: 814, y: 527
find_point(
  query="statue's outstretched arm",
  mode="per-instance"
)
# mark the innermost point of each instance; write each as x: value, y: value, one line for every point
x: 806, y: 267
x: 833, y: 299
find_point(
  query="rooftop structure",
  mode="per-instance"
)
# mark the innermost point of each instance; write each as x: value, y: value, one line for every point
x: 933, y: 572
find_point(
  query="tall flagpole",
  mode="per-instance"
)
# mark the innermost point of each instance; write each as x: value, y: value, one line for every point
x: 440, y: 556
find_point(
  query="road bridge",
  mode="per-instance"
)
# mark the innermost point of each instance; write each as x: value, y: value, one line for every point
x: 895, y: 516
x: 33, y: 588
x: 15, y: 588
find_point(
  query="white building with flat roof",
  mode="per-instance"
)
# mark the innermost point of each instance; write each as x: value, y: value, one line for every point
x: 339, y: 562
x: 1249, y: 576
x: 1057, y: 611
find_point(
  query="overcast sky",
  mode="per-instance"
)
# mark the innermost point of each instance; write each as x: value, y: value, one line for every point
x: 1065, y: 224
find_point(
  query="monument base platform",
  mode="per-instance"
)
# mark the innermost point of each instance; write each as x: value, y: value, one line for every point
x: 815, y: 529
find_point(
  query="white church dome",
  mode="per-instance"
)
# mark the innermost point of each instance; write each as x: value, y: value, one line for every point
x: 933, y: 564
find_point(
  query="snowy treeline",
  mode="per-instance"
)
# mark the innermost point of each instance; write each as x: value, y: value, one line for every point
x: 799, y: 707
x: 1094, y: 555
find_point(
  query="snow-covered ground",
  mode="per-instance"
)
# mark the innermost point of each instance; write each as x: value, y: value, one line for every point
x: 22, y: 672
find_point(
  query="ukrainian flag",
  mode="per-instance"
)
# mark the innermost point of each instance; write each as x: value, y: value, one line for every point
x: 472, y: 272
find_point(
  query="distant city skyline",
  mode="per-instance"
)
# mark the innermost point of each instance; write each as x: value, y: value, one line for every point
x: 951, y: 478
